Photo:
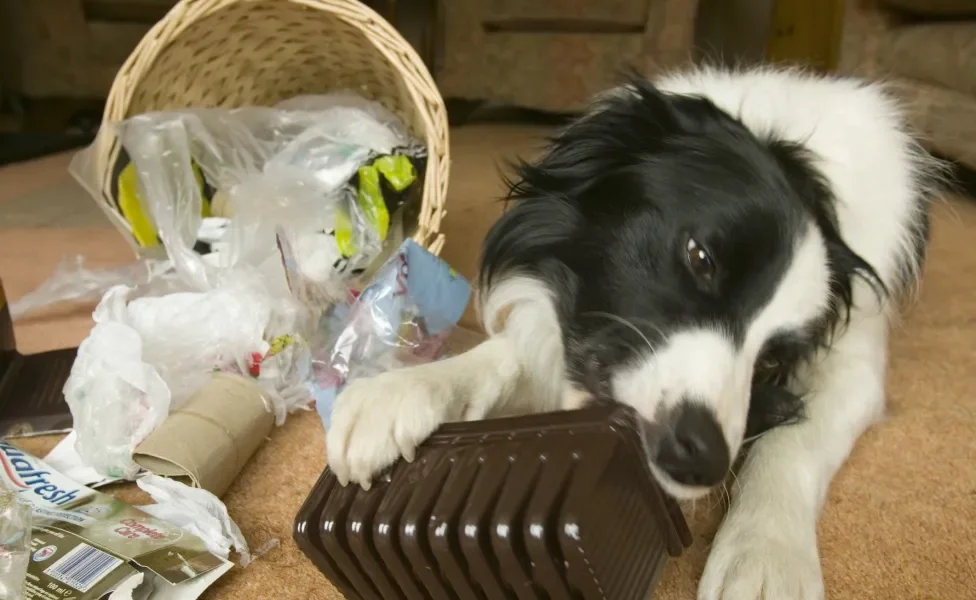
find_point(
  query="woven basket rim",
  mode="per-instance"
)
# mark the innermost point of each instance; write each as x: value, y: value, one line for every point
x: 416, y: 79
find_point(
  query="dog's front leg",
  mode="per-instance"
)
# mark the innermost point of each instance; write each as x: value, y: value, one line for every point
x: 378, y: 420
x: 518, y: 370
x: 766, y: 548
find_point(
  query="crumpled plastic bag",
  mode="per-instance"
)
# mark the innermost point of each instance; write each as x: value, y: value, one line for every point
x: 15, y: 536
x: 116, y: 398
x: 189, y: 334
x: 199, y: 512
x: 146, y: 356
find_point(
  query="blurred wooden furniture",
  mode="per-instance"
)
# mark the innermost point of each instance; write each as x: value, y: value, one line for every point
x: 926, y: 51
x: 806, y: 33
x: 71, y: 48
x: 556, y: 54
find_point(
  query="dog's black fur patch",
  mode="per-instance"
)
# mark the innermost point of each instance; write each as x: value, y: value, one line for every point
x: 604, y: 219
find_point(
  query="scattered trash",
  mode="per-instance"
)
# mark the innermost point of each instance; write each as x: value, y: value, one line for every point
x: 86, y: 544
x: 220, y: 192
x: 272, y: 270
x: 295, y: 166
x: 145, y: 357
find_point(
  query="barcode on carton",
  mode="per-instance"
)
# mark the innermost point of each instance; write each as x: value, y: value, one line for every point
x: 83, y: 567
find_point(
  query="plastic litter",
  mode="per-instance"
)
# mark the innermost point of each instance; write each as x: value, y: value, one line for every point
x: 197, y: 511
x: 116, y: 398
x: 219, y: 191
x: 15, y: 528
x: 65, y: 459
x: 187, y: 335
x: 148, y: 355
x: 402, y: 317
x: 268, y: 217
x: 72, y: 281
x: 291, y: 167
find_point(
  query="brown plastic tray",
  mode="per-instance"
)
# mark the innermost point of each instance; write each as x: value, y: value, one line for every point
x: 555, y: 506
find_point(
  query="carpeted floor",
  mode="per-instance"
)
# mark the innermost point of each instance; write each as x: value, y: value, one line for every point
x: 900, y: 522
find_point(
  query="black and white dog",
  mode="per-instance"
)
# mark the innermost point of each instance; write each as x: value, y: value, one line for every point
x: 723, y: 251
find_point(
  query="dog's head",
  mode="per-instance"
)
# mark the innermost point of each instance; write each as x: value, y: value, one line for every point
x: 694, y: 264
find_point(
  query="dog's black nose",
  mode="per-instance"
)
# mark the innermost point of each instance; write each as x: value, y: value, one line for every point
x: 694, y: 452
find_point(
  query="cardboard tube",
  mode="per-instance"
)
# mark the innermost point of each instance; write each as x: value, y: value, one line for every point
x: 211, y: 437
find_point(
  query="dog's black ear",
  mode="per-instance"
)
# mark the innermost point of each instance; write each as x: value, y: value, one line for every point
x: 771, y: 406
x: 622, y: 127
x: 548, y: 194
x: 525, y: 236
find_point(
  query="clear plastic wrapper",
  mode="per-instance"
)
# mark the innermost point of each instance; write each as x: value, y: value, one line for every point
x: 72, y: 281
x: 15, y: 535
x: 288, y: 167
x: 403, y: 317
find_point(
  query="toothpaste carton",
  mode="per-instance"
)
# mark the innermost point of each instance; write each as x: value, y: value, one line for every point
x: 86, y: 545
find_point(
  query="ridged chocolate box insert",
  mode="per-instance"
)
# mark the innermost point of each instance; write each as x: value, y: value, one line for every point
x: 557, y: 506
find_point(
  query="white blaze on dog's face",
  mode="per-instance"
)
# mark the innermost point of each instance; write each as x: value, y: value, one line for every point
x: 694, y: 267
x: 697, y: 383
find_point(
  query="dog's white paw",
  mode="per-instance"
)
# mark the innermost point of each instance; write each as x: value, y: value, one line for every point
x: 750, y: 560
x: 378, y: 420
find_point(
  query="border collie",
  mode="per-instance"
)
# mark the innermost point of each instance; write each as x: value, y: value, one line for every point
x: 722, y: 251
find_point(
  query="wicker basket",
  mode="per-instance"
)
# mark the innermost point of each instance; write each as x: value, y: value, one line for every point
x: 233, y: 53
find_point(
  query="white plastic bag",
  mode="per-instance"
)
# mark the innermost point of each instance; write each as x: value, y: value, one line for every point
x: 187, y: 335
x: 116, y: 398
x: 197, y: 511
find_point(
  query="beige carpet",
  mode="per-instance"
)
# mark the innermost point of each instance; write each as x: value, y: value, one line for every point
x: 900, y: 522
x: 42, y: 194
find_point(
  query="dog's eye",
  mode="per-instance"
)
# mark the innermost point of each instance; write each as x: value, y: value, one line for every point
x: 700, y: 262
